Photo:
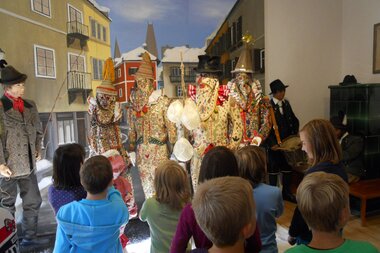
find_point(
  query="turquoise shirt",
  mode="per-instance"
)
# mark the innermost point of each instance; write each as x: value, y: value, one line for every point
x: 347, y: 246
x: 162, y: 224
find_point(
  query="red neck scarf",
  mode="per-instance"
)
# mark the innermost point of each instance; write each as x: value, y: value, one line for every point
x: 18, y: 103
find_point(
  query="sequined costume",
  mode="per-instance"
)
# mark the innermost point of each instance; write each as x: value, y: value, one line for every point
x: 254, y: 108
x: 150, y: 131
x: 220, y: 120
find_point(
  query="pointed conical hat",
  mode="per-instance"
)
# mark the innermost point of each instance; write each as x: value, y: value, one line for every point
x: 145, y: 70
x: 244, y: 63
x: 107, y: 88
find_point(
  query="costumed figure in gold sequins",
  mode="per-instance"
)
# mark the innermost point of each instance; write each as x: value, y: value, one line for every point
x: 104, y: 134
x: 220, y: 120
x: 246, y: 92
x: 151, y: 134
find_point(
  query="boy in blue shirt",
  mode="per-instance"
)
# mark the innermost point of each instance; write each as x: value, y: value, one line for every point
x: 93, y: 224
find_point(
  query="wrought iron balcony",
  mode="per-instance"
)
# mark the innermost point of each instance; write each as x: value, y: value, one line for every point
x: 77, y: 30
x: 177, y: 79
x: 78, y: 82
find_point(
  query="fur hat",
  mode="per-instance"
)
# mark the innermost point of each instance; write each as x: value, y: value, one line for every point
x: 277, y: 85
x: 145, y: 70
x: 107, y: 88
x: 10, y: 76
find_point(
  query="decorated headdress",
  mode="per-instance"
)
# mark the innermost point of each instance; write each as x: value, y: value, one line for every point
x: 244, y: 63
x: 107, y: 88
x: 145, y: 69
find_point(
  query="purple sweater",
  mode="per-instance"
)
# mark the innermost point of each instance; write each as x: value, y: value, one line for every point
x: 187, y: 227
x: 58, y: 198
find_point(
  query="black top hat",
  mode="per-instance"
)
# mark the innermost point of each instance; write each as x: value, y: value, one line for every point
x: 10, y: 76
x: 208, y: 64
x: 349, y: 79
x: 277, y: 85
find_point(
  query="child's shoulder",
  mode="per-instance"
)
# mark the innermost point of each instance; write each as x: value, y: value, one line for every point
x: 360, y: 246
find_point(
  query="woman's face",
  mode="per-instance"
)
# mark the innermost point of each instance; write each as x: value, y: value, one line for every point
x: 306, y: 144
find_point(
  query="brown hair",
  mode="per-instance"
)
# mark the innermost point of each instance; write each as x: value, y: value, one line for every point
x: 96, y: 174
x: 323, y: 142
x: 321, y: 197
x: 251, y: 164
x: 172, y: 185
x: 216, y: 204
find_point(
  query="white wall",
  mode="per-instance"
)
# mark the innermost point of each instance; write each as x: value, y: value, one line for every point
x: 303, y: 48
x: 357, y: 44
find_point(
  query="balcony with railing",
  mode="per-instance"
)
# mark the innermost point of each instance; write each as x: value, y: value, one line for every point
x: 177, y: 78
x: 78, y: 83
x: 77, y: 30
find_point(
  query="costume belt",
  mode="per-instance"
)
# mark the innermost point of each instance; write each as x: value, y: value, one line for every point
x: 151, y: 140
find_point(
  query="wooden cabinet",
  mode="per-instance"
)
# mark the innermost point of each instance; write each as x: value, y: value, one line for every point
x: 361, y: 103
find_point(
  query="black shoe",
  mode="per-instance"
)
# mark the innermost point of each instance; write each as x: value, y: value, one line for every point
x: 289, y: 197
x: 36, y: 242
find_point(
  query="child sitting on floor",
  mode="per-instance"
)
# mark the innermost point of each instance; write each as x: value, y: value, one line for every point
x: 216, y: 204
x: 323, y: 200
x: 162, y: 211
x: 269, y: 204
x: 93, y: 224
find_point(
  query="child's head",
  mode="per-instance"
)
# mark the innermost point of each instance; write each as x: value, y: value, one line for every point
x: 216, y: 204
x: 323, y: 200
x: 320, y: 142
x: 218, y: 162
x: 172, y: 185
x: 66, y: 164
x: 252, y: 164
x: 96, y: 174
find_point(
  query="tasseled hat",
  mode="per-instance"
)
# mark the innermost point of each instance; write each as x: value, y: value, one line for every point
x: 107, y: 88
x: 145, y: 70
x: 244, y: 64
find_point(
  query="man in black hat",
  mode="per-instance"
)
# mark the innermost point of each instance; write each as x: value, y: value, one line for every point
x: 352, y: 148
x: 20, y: 146
x: 287, y: 124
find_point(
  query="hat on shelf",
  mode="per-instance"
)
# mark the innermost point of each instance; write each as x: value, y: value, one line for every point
x: 145, y: 70
x: 107, y: 88
x: 277, y: 85
x: 10, y: 76
x: 348, y: 79
x: 208, y: 64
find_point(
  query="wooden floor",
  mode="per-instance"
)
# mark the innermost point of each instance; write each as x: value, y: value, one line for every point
x: 353, y: 229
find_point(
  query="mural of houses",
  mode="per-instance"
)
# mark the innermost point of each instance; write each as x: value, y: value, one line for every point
x: 61, y: 46
x: 171, y: 68
x: 226, y: 41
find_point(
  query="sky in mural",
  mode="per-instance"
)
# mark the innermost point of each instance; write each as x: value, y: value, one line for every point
x: 176, y: 22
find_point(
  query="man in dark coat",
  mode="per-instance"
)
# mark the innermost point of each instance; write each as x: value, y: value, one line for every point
x: 20, y: 146
x: 287, y: 125
x: 352, y: 148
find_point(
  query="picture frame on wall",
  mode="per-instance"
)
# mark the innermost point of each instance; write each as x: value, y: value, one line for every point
x: 376, y: 49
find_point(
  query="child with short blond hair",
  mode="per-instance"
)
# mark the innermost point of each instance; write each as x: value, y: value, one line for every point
x: 323, y: 200
x: 269, y: 204
x: 162, y: 211
x: 216, y: 204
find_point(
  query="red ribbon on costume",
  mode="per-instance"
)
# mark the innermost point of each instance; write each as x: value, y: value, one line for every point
x: 209, y: 147
x: 18, y: 103
x: 222, y: 93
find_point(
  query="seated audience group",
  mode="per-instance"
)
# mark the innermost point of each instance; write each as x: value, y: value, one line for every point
x: 232, y: 210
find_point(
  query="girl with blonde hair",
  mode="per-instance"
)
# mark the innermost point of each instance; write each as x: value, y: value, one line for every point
x: 162, y: 211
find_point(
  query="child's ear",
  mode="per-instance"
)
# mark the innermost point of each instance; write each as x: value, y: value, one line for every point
x: 249, y: 229
x: 344, y: 216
